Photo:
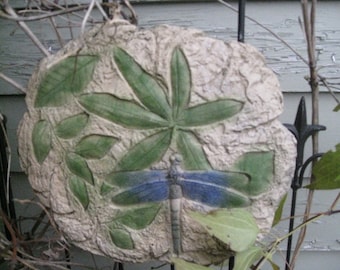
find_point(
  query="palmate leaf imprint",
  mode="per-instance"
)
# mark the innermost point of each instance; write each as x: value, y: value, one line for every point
x: 171, y: 117
x: 148, y: 90
x: 174, y: 118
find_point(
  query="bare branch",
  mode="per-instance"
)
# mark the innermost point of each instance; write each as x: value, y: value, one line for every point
x: 12, y: 82
x: 268, y: 30
x: 47, y: 14
x: 9, y: 10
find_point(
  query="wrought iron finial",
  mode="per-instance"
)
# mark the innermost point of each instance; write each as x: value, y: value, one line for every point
x: 302, y: 131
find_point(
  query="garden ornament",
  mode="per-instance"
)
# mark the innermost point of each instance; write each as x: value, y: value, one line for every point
x: 129, y: 131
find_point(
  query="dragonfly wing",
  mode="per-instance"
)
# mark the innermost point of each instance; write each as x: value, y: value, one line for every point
x: 219, y: 178
x: 133, y: 178
x: 144, y: 193
x: 213, y: 195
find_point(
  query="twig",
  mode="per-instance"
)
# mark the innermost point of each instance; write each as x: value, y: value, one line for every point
x: 43, y: 208
x: 12, y: 233
x: 88, y: 12
x: 268, y: 30
x: 47, y: 14
x: 25, y: 28
x: 69, y: 21
x: 9, y: 160
x: 60, y: 39
x: 309, y: 27
x: 325, y: 83
x: 335, y: 202
x: 12, y: 82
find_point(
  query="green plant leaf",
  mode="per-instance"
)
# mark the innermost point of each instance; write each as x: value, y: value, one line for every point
x: 41, y: 140
x: 327, y: 171
x: 146, y: 152
x: 122, y: 112
x: 180, y: 82
x: 78, y: 166
x: 337, y: 108
x: 148, y: 90
x: 191, y: 150
x: 121, y: 238
x: 70, y: 127
x: 235, y: 227
x: 79, y: 190
x: 260, y: 179
x: 279, y: 211
x: 184, y: 265
x: 68, y: 77
x: 273, y: 265
x: 139, y: 218
x: 245, y: 259
x: 209, y: 113
x: 94, y: 146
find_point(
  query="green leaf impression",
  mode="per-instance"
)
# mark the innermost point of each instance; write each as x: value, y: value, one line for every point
x: 260, y: 179
x: 41, y: 140
x: 78, y: 166
x: 176, y: 119
x: 191, y: 151
x: 94, y: 146
x: 122, y: 112
x: 180, y: 82
x: 121, y: 238
x: 139, y: 218
x: 71, y: 126
x: 68, y: 77
x: 79, y: 190
x: 146, y: 152
x: 145, y: 86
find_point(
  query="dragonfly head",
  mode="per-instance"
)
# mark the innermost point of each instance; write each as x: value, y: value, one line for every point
x: 176, y: 159
x: 175, y: 168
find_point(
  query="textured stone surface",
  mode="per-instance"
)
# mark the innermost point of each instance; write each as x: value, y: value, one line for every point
x: 218, y: 71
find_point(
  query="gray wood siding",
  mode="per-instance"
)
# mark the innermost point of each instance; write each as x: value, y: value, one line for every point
x: 18, y: 58
x: 217, y: 21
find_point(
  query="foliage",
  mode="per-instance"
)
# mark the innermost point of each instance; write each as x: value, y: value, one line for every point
x: 235, y: 227
x: 327, y: 171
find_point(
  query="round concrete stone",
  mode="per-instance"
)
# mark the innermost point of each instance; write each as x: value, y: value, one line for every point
x: 107, y: 113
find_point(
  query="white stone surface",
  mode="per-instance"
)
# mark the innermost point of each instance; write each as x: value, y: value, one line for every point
x: 219, y: 70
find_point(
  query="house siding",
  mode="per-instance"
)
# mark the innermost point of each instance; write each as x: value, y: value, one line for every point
x: 18, y: 58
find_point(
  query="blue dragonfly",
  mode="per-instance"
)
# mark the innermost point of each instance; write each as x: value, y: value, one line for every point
x: 212, y: 188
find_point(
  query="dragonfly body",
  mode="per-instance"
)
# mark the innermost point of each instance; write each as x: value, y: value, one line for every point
x: 175, y: 214
x: 211, y: 188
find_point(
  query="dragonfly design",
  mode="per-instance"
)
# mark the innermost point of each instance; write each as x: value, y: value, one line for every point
x: 212, y: 188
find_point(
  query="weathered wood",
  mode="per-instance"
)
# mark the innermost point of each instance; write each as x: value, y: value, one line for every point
x: 19, y: 56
